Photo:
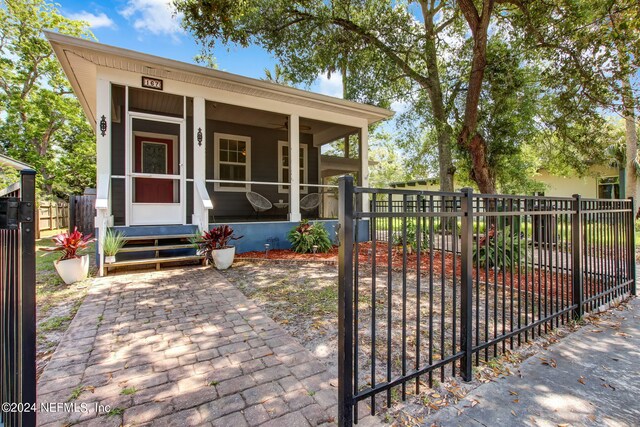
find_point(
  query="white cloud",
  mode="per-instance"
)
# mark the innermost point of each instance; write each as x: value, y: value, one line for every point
x: 330, y: 86
x: 400, y: 106
x: 101, y: 20
x: 156, y: 17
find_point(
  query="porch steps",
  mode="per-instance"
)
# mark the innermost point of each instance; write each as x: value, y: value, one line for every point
x: 155, y: 248
x: 156, y: 245
x: 156, y: 261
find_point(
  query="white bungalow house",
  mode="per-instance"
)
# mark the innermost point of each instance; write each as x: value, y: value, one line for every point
x: 179, y: 146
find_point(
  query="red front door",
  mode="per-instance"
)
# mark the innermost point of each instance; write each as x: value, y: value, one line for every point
x: 154, y: 156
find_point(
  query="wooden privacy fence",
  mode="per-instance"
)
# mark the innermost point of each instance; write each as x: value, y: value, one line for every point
x: 82, y: 212
x: 52, y: 215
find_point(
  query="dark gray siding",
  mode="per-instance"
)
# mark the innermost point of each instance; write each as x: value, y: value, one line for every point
x: 118, y: 133
x: 264, y: 167
x: 118, y: 201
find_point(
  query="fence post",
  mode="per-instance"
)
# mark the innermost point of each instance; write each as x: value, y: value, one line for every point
x: 28, y: 295
x: 466, y: 284
x: 576, y: 256
x: 632, y: 249
x: 345, y: 303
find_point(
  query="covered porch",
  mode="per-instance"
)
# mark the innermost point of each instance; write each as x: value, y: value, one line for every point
x: 184, y: 145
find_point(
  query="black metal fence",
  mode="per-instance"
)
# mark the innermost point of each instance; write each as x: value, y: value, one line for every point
x: 18, y: 302
x: 448, y: 280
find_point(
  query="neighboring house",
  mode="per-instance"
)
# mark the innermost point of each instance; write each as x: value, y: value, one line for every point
x: 599, y: 182
x: 179, y: 145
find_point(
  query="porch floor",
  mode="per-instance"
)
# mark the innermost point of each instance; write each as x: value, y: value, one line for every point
x: 182, y: 347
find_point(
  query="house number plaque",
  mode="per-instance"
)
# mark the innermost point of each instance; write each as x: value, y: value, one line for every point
x: 151, y: 83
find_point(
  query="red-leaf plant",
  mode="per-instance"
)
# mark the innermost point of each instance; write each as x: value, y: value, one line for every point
x: 216, y: 238
x: 70, y: 244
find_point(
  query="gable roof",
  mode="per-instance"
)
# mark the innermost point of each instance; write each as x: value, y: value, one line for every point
x: 80, y: 58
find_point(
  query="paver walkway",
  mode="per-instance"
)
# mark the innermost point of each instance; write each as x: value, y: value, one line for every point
x: 182, y: 347
x: 596, y: 382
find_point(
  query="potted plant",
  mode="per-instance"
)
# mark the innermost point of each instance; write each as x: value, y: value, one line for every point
x: 71, y: 267
x: 214, y: 245
x: 113, y: 242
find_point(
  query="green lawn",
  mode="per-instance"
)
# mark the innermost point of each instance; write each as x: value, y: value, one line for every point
x: 57, y: 303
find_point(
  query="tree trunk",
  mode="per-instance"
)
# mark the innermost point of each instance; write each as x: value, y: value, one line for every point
x: 445, y: 159
x: 446, y: 170
x: 469, y: 139
x: 631, y: 140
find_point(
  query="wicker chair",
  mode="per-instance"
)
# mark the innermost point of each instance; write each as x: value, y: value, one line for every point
x: 310, y: 202
x: 258, y: 202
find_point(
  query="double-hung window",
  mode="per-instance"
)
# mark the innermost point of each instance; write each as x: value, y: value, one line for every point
x: 232, y: 162
x: 284, y: 162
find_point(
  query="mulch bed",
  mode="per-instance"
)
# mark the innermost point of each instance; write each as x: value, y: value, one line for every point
x: 534, y: 283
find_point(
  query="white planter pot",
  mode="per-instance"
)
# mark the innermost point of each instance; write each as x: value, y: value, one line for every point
x: 223, y: 258
x: 109, y: 259
x: 73, y: 270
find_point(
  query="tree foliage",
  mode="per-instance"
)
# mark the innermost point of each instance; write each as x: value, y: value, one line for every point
x: 41, y: 122
x: 507, y: 77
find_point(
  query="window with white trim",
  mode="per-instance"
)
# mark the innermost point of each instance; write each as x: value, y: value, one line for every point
x: 232, y: 162
x: 283, y: 170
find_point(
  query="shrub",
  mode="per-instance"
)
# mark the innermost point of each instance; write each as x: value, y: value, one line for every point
x: 69, y: 244
x: 489, y: 250
x: 305, y: 236
x: 412, y: 237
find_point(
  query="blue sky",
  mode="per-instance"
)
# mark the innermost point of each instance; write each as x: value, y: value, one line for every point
x: 149, y: 26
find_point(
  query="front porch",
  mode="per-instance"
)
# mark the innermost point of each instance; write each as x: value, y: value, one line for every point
x: 179, y: 144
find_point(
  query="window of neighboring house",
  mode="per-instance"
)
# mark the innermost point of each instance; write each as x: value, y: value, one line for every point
x: 538, y: 193
x: 609, y: 187
x: 232, y: 162
x: 283, y: 170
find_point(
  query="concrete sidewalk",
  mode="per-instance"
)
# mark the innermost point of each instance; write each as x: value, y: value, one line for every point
x: 596, y: 382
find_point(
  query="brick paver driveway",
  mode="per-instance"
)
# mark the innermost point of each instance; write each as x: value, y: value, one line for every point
x: 181, y: 347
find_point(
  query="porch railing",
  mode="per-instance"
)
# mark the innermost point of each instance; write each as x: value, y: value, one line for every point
x: 18, y: 299
x: 448, y: 280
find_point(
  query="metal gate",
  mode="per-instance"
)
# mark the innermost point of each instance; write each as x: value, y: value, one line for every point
x: 17, y: 299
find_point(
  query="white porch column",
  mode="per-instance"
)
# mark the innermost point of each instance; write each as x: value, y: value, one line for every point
x: 294, y: 168
x: 364, y: 164
x: 200, y: 212
x: 103, y: 164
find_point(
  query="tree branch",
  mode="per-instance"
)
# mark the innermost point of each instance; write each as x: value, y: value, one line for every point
x: 368, y: 37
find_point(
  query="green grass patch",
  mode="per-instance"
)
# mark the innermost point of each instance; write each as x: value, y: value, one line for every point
x: 55, y: 323
x: 115, y: 412
x: 75, y: 393
x: 128, y: 391
x: 306, y: 298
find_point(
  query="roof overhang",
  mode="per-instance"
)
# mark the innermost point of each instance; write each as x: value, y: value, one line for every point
x: 81, y: 58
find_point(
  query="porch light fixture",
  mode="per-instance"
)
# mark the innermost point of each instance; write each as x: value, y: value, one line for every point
x: 199, y: 137
x: 103, y: 125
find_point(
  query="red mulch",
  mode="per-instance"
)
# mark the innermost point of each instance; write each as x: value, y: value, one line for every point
x: 364, y: 257
x: 286, y: 254
x: 550, y: 281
